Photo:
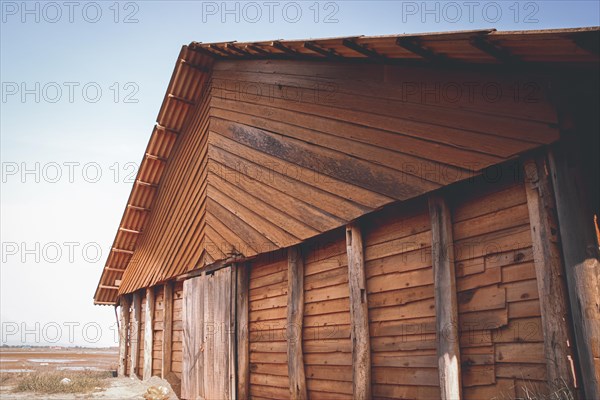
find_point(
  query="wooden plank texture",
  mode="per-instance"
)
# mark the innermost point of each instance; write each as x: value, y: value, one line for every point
x: 581, y: 256
x: 148, y: 332
x: 359, y: 314
x: 255, y: 173
x: 442, y: 250
x: 209, y: 334
x: 167, y: 338
x: 134, y: 338
x: 549, y: 272
x: 125, y: 303
x: 243, y: 362
x: 295, y: 316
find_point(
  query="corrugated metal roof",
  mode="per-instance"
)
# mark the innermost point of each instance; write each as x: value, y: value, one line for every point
x: 189, y: 78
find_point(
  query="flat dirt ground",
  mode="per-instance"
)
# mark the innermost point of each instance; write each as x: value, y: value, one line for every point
x: 16, y: 362
x: 65, y: 359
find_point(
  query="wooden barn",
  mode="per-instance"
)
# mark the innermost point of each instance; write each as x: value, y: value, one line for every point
x: 393, y: 217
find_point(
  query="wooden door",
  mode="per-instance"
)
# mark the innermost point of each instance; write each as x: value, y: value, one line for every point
x: 209, y: 336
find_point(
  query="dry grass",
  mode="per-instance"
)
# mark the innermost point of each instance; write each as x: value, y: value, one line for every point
x: 535, y: 391
x: 49, y: 382
x: 560, y: 391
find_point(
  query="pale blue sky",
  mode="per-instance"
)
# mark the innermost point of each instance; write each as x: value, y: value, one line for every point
x: 59, y: 46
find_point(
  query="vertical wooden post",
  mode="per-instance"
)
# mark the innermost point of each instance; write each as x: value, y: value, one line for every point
x: 148, y: 332
x: 295, y: 317
x: 444, y: 279
x: 123, y: 330
x: 232, y: 363
x: 582, y: 266
x: 359, y: 314
x: 549, y: 271
x: 167, y: 339
x: 243, y: 356
x: 134, y: 336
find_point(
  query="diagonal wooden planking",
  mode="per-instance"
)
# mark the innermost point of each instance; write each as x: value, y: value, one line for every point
x: 251, y: 175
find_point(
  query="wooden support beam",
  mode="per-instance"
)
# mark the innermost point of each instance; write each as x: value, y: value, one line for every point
x: 444, y: 282
x: 114, y: 269
x: 129, y: 230
x: 138, y: 208
x: 155, y: 157
x: 162, y: 128
x: 328, y: 53
x: 198, y: 47
x: 104, y: 303
x: 148, y: 184
x: 108, y: 287
x: 148, y: 332
x: 220, y: 50
x: 285, y: 49
x: 581, y: 258
x: 414, y: 46
x: 493, y: 49
x: 362, y: 49
x: 295, y: 316
x: 549, y: 272
x: 211, y: 268
x: 117, y: 250
x: 257, y: 49
x: 181, y: 99
x: 194, y: 66
x: 167, y: 338
x: 134, y: 336
x: 242, y: 321
x: 125, y: 303
x: 359, y: 314
x: 235, y: 49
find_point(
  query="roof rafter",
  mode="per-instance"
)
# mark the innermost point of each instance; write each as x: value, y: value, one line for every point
x: 415, y: 46
x: 362, y: 49
x: 328, y: 53
x: 500, y: 53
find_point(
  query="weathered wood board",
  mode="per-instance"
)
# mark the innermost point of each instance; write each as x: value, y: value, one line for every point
x: 208, y: 337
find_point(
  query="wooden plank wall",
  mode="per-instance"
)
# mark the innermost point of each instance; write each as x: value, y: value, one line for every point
x: 327, y: 345
x: 157, y: 336
x: 177, y: 347
x: 267, y: 320
x: 501, y: 337
x: 499, y: 313
x: 401, y: 303
x: 499, y: 321
x: 279, y: 151
x: 177, y: 327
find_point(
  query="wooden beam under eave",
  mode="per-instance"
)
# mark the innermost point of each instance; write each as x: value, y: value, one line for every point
x: 148, y: 332
x: 444, y: 281
x: 359, y: 314
x: 138, y: 208
x: 167, y: 338
x: 415, y: 46
x: 581, y: 258
x: 242, y: 320
x: 235, y: 49
x: 125, y: 303
x: 134, y: 336
x: 549, y: 273
x: 295, y: 317
x: 364, y: 50
x: 194, y: 66
x: 493, y: 49
x: 328, y: 53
